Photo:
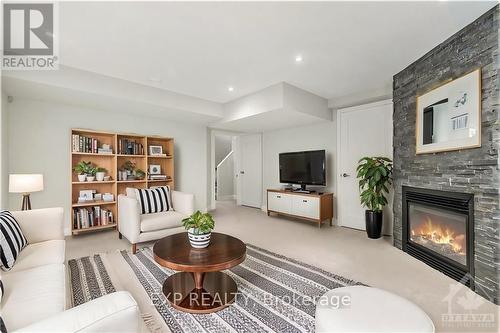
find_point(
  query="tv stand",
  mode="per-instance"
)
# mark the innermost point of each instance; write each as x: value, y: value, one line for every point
x: 313, y: 207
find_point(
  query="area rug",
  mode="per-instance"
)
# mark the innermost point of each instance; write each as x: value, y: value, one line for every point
x: 89, y: 279
x: 276, y: 294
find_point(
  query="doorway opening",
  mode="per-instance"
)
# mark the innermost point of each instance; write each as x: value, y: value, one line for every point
x: 224, y: 182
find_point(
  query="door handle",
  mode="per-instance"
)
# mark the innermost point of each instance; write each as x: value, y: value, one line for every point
x: 345, y: 175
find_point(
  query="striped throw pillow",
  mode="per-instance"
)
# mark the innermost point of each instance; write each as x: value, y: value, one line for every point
x: 3, y: 329
x: 12, y: 240
x: 154, y: 200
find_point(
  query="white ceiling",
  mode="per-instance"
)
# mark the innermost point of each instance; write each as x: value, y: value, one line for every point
x: 199, y: 49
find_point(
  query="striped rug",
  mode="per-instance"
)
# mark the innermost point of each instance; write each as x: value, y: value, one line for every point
x: 89, y: 279
x: 276, y: 294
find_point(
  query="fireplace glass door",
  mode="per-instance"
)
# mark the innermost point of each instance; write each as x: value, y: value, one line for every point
x: 439, y: 230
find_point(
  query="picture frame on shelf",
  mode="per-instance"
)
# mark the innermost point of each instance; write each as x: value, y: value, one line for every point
x: 154, y: 169
x: 156, y: 151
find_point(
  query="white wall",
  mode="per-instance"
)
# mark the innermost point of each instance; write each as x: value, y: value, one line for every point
x: 39, y: 142
x: 311, y: 137
x: 225, y: 179
x: 4, y: 154
x: 222, y: 147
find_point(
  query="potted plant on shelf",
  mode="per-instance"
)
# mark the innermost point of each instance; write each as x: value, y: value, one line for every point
x: 375, y: 175
x: 91, y: 173
x: 100, y: 173
x: 140, y: 174
x: 82, y: 169
x: 129, y: 168
x: 199, y: 226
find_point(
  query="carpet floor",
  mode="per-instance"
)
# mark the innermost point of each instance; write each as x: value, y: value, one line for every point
x: 276, y: 293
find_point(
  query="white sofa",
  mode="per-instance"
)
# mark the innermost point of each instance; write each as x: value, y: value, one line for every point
x: 34, y: 289
x: 138, y: 228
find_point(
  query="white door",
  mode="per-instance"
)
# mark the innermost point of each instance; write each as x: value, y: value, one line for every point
x: 362, y: 131
x: 250, y: 170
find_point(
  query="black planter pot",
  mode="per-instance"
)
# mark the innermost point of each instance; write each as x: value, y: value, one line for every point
x: 373, y: 223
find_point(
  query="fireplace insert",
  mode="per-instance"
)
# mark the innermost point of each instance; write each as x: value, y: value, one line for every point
x: 438, y: 229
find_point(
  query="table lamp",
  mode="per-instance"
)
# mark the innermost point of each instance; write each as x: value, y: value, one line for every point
x: 25, y: 184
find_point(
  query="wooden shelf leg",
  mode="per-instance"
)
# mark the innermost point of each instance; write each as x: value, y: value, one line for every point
x: 134, y: 248
x: 120, y: 235
x: 331, y: 222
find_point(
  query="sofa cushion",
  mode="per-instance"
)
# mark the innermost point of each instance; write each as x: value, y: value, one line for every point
x: 12, y: 240
x: 130, y: 191
x: 32, y: 295
x: 40, y: 254
x: 154, y: 200
x: 159, y: 221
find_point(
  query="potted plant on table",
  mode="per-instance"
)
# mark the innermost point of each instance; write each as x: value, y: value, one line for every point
x: 199, y: 226
x: 82, y: 169
x: 375, y: 175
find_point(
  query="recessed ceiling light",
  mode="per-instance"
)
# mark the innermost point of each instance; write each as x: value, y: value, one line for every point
x: 230, y: 88
x: 298, y: 58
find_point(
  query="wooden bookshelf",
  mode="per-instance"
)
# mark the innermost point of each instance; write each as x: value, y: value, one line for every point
x: 137, y: 151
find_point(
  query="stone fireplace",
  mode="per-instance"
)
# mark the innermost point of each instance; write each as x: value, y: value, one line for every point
x: 467, y: 174
x: 438, y: 229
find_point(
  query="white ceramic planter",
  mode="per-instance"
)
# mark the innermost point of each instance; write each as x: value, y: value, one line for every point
x: 99, y: 176
x: 90, y: 178
x: 199, y: 241
x: 82, y: 178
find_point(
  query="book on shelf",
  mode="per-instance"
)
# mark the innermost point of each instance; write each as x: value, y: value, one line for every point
x: 158, y: 177
x: 96, y: 216
x: 104, y: 151
x: 84, y: 144
x: 130, y: 147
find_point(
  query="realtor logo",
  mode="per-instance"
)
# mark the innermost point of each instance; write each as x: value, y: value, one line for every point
x: 29, y: 36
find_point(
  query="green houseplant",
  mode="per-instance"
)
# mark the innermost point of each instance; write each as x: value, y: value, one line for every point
x: 100, y: 173
x: 140, y: 174
x: 82, y: 169
x: 91, y: 173
x: 199, y: 226
x: 374, y: 175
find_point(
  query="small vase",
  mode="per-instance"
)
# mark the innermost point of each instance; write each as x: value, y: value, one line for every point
x: 99, y: 176
x: 198, y: 241
x: 82, y: 178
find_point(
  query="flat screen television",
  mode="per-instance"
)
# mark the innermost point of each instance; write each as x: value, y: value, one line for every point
x: 303, y: 167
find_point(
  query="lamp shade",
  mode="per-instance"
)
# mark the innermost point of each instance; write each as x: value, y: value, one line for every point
x: 25, y: 183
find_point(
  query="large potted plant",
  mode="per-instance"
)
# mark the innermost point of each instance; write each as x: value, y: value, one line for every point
x: 374, y: 175
x: 199, y: 226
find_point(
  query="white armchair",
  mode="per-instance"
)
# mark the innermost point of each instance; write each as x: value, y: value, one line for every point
x: 138, y: 228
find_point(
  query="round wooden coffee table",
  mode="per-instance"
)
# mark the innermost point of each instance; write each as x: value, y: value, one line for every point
x: 199, y: 286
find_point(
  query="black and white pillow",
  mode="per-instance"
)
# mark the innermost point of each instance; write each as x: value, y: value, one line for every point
x: 3, y: 329
x: 154, y: 200
x: 12, y: 240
